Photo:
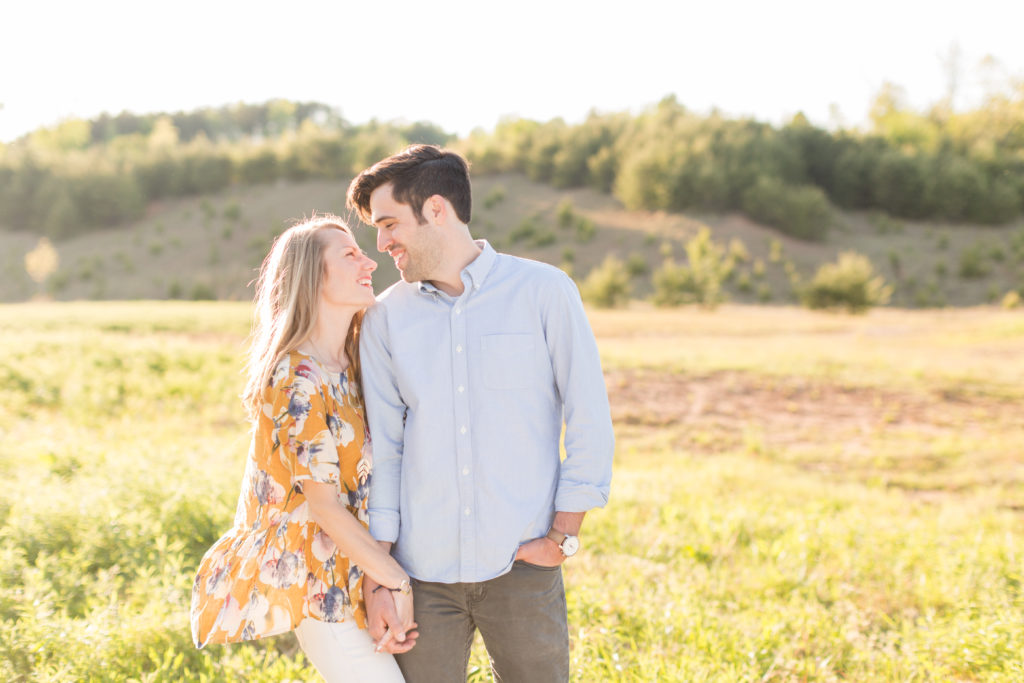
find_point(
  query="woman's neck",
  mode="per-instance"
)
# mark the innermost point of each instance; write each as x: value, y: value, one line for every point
x: 327, y: 342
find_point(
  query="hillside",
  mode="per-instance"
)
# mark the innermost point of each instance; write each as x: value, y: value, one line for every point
x: 210, y: 247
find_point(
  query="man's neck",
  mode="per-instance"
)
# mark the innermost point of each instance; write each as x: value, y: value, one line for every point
x: 463, y: 253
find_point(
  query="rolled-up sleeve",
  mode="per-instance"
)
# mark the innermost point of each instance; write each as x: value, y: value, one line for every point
x: 586, y: 472
x: 385, y: 412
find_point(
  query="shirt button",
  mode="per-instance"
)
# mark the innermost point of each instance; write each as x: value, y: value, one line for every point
x: 466, y: 512
x: 465, y: 470
x: 458, y: 349
x: 457, y: 310
x: 463, y: 430
x: 461, y: 388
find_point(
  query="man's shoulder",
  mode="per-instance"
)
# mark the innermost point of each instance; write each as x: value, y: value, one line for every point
x: 395, y: 299
x: 536, y: 272
x: 398, y: 294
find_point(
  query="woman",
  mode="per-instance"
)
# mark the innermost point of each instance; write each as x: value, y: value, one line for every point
x: 298, y: 550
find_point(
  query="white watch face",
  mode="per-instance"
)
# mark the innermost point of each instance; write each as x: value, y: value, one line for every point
x: 570, y: 545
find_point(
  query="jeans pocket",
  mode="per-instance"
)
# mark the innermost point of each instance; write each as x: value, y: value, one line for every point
x: 537, y: 566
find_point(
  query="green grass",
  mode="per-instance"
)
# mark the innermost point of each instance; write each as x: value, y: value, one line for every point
x: 797, y: 496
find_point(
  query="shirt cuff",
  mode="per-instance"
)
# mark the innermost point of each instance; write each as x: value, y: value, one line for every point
x: 384, y: 525
x: 578, y: 497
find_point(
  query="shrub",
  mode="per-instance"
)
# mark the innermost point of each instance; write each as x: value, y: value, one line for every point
x: 850, y: 283
x: 700, y: 280
x: 585, y: 230
x: 636, y: 264
x: 494, y: 197
x: 738, y: 251
x: 674, y: 285
x: 895, y: 262
x: 1011, y: 300
x: 744, y: 283
x: 801, y: 211
x: 607, y: 285
x: 884, y: 224
x: 526, y: 230
x: 202, y: 292
x: 544, y: 238
x: 564, y: 214
x: 232, y: 211
x: 973, y: 263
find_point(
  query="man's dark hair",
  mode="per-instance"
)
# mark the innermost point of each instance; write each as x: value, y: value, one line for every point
x: 416, y: 173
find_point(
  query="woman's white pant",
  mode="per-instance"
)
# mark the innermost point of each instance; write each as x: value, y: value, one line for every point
x: 343, y: 653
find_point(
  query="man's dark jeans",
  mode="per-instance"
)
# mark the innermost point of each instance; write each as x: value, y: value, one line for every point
x: 521, y: 616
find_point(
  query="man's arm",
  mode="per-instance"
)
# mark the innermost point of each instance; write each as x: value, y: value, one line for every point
x: 586, y: 472
x: 585, y: 475
x: 385, y: 414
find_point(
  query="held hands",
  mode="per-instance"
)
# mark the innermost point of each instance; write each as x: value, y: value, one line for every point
x: 389, y: 617
x: 542, y: 552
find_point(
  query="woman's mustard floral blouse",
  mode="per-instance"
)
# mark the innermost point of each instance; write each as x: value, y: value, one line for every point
x: 277, y: 566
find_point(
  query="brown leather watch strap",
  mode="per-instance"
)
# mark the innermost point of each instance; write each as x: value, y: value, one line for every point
x: 556, y: 536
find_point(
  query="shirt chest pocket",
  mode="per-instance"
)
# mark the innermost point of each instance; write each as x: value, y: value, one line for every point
x: 508, y: 361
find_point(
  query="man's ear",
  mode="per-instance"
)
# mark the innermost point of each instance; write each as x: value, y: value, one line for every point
x: 435, y: 209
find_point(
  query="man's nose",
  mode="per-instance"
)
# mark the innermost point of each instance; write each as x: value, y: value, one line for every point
x: 383, y: 239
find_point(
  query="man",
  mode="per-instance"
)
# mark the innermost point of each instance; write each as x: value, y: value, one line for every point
x: 471, y: 362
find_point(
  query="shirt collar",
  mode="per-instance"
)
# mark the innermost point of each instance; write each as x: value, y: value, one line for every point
x: 474, y: 274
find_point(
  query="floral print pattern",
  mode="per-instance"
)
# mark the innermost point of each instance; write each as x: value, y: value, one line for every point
x: 276, y: 566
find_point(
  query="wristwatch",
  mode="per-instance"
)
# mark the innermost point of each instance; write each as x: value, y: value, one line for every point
x: 569, y: 545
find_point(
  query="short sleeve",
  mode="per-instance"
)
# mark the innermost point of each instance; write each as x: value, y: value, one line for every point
x: 307, y: 447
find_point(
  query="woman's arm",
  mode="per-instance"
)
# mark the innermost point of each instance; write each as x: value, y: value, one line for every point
x: 355, y: 542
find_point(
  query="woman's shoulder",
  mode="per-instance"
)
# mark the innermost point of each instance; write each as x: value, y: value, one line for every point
x: 295, y: 374
x: 296, y: 367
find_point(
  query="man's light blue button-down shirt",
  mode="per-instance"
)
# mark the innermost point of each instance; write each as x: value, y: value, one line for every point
x: 465, y: 400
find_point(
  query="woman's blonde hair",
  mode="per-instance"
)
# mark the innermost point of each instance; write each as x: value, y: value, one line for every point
x: 287, y: 295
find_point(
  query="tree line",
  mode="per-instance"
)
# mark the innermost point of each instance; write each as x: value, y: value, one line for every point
x: 938, y: 165
x: 966, y: 167
x: 86, y: 175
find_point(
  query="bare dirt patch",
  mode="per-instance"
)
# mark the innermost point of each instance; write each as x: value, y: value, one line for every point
x: 920, y: 441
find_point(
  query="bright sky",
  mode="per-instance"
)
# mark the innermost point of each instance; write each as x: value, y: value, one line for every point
x: 465, y: 64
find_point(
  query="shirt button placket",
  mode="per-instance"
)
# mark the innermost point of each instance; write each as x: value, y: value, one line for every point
x: 463, y: 438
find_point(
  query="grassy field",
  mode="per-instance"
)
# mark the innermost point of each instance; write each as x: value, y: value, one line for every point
x: 796, y: 497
